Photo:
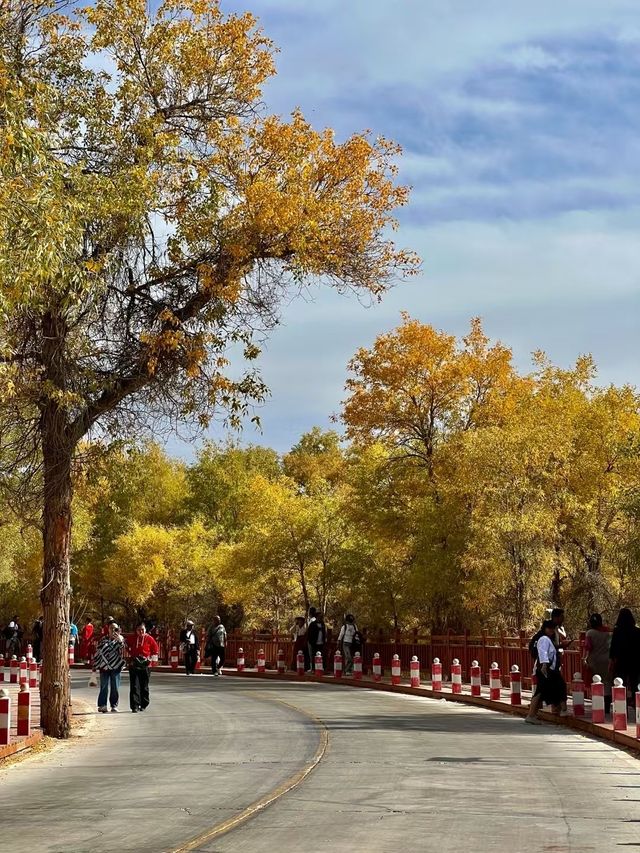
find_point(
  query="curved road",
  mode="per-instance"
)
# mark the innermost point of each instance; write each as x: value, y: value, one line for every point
x: 399, y: 773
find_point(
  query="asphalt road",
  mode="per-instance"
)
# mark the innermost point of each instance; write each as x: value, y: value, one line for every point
x: 399, y: 773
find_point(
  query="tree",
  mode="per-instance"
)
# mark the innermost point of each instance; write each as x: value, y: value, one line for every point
x: 150, y: 216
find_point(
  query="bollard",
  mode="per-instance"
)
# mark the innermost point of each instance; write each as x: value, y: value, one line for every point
x: 300, y: 663
x: 174, y: 658
x: 494, y: 682
x: 638, y: 712
x: 24, y: 711
x: 436, y: 675
x: 33, y: 675
x: 415, y: 671
x: 516, y: 685
x: 240, y: 661
x: 337, y: 665
x: 476, y: 679
x: 577, y: 692
x: 619, y: 697
x: 7, y: 669
x: 318, y: 665
x: 29, y: 652
x: 5, y: 717
x: 262, y: 661
x: 456, y: 676
x: 357, y: 666
x: 377, y: 667
x: 23, y: 676
x: 1, y: 668
x: 280, y: 662
x: 597, y: 700
x: 395, y: 670
x: 71, y: 656
x: 13, y: 677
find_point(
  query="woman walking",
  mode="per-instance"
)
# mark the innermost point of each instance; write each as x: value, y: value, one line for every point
x: 596, y: 646
x: 189, y: 646
x: 625, y: 652
x: 141, y: 653
x: 299, y: 634
x: 109, y: 660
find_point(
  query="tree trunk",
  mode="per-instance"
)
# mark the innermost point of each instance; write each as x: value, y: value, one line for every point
x: 55, y: 596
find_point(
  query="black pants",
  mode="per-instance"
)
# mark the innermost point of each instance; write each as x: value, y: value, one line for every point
x: 139, y: 687
x: 190, y: 659
x: 217, y: 659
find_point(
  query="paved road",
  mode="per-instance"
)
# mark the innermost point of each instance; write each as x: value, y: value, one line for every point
x: 400, y: 773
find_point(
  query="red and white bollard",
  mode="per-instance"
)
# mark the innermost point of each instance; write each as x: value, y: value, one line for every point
x: 577, y: 693
x: 262, y: 661
x: 240, y: 660
x: 619, y: 697
x: 39, y: 672
x: 495, y: 682
x: 1, y: 668
x: 5, y: 717
x: 414, y: 668
x: 72, y: 658
x: 174, y: 658
x: 597, y: 700
x: 7, y: 669
x: 29, y: 652
x: 318, y: 665
x: 395, y: 670
x: 516, y: 685
x: 300, y: 663
x: 23, y: 676
x: 436, y: 675
x: 280, y: 662
x: 456, y: 676
x: 377, y: 667
x: 337, y: 665
x: 357, y: 667
x: 638, y: 712
x: 24, y: 711
x: 476, y: 679
x: 13, y: 671
x: 33, y: 675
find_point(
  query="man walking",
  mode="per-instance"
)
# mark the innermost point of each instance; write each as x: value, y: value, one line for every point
x: 141, y: 652
x: 189, y: 646
x: 37, y: 632
x: 317, y: 635
x: 347, y: 640
x: 216, y: 643
x: 109, y: 660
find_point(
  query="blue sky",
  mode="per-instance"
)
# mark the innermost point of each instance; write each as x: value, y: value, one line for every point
x: 520, y: 125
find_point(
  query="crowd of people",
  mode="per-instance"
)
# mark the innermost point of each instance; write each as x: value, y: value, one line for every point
x: 608, y: 654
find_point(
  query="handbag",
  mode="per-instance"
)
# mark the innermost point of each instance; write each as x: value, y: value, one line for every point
x: 93, y: 680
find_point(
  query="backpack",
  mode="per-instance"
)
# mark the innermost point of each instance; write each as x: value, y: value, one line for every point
x: 533, y: 644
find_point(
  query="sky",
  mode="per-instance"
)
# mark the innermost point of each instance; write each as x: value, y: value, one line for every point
x: 521, y: 135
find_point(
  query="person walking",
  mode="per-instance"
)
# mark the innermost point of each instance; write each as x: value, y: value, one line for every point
x: 86, y: 640
x: 560, y: 638
x: 189, y: 646
x: 109, y: 660
x: 311, y: 618
x: 624, y: 652
x: 140, y: 654
x: 37, y: 631
x: 317, y: 637
x: 13, y: 633
x: 299, y: 634
x: 216, y: 644
x: 597, y: 644
x: 550, y: 688
x: 346, y: 637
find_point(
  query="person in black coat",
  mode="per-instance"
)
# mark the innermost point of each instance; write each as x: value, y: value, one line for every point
x: 317, y: 638
x: 624, y: 652
x: 189, y: 646
x: 37, y: 632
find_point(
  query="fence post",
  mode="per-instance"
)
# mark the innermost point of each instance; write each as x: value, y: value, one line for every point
x: 318, y: 665
x: 5, y: 717
x: 494, y: 682
x: 261, y: 661
x: 456, y: 676
x: 619, y: 696
x: 357, y: 666
x: 415, y: 671
x: 395, y: 670
x: 377, y: 667
x: 24, y: 711
x: 300, y: 663
x: 337, y: 665
x: 436, y: 675
x: 516, y: 685
x: 597, y: 700
x: 240, y: 660
x: 281, y: 664
x: 577, y: 690
x: 476, y: 679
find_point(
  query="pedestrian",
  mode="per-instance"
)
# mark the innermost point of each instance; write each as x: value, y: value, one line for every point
x: 317, y: 637
x: 348, y: 633
x: 140, y: 653
x: 550, y: 687
x: 109, y: 660
x: 597, y: 644
x: 86, y: 640
x: 560, y: 638
x: 624, y: 652
x: 37, y: 631
x: 189, y: 646
x: 299, y: 634
x: 311, y: 618
x: 216, y: 643
x: 104, y: 631
x: 14, y: 633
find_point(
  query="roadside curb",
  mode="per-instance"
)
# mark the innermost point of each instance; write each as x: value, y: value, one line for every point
x: 20, y: 745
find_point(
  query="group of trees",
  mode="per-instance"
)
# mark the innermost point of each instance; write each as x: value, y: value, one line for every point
x: 465, y: 495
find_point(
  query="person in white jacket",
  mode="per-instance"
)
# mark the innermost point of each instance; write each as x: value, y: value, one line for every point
x: 345, y: 641
x: 550, y: 685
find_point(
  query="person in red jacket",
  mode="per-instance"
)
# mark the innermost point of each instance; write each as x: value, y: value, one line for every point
x: 141, y: 651
x: 86, y: 635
